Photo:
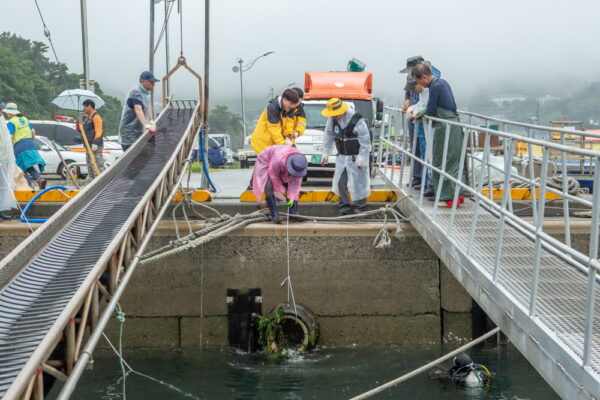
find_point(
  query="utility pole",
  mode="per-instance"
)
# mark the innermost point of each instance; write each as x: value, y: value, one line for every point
x: 205, y: 128
x: 84, y: 37
x: 240, y: 61
x: 167, y: 45
x: 151, y: 53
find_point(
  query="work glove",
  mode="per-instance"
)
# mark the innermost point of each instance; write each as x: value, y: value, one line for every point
x: 361, y: 162
x: 94, y: 147
x: 323, y: 160
x: 289, y: 203
x: 288, y: 141
x: 150, y: 126
x: 410, y: 113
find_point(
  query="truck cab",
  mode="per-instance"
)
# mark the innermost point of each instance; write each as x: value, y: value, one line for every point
x: 354, y: 88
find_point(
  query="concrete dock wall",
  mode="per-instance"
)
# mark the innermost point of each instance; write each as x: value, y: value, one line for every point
x: 360, y: 294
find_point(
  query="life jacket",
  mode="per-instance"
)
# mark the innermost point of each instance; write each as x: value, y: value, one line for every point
x: 90, y: 131
x: 346, y: 141
x: 22, y: 129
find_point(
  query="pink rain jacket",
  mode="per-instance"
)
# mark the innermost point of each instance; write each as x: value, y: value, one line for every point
x: 271, y: 164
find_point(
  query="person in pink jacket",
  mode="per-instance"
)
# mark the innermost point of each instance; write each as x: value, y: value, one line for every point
x: 278, y: 173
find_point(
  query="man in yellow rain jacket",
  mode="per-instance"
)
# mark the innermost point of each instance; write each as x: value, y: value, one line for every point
x: 270, y: 127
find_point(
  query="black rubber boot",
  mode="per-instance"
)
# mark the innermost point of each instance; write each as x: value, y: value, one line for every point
x: 272, y: 204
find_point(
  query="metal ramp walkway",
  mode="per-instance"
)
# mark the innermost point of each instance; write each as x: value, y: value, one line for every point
x: 52, y: 284
x: 538, y: 290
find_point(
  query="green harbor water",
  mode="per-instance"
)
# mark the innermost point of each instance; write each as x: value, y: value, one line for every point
x: 327, y: 373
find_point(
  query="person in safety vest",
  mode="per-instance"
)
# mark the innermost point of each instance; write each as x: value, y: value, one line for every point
x: 278, y: 173
x: 93, y: 132
x: 26, y: 154
x: 137, y: 115
x: 295, y: 122
x: 270, y: 127
x: 348, y: 130
x: 441, y: 104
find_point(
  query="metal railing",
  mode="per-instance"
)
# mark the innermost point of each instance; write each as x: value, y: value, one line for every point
x: 491, y: 209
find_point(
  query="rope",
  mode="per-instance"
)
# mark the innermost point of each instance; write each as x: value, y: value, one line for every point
x: 288, y: 279
x: 126, y: 369
x: 235, y: 224
x: 180, y: 11
x: 164, y: 27
x: 426, y: 366
x: 555, y: 182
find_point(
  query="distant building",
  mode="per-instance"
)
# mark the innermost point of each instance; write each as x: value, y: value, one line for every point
x: 547, y: 98
x: 501, y: 99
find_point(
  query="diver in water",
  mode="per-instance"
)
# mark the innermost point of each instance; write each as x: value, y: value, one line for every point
x: 465, y: 373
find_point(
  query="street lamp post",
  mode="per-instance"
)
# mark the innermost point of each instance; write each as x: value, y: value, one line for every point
x: 281, y: 89
x: 243, y: 67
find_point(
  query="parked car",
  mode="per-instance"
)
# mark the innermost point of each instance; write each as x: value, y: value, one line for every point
x: 246, y: 155
x: 53, y: 162
x: 65, y: 133
x: 217, y: 157
x: 111, y: 153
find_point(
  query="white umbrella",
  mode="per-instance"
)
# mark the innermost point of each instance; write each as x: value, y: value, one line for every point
x: 72, y: 99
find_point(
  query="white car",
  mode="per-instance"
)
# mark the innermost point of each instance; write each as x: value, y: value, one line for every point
x: 111, y: 153
x: 53, y: 161
x: 65, y: 133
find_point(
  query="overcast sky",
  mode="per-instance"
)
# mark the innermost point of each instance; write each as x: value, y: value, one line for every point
x: 476, y: 44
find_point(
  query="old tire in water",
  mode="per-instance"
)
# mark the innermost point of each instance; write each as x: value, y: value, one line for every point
x: 298, y: 327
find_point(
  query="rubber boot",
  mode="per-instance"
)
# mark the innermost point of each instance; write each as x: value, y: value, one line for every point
x: 272, y: 204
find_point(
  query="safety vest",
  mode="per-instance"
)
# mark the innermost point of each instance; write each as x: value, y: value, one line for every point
x: 22, y: 129
x: 90, y: 130
x: 346, y: 141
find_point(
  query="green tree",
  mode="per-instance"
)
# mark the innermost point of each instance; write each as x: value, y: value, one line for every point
x: 221, y: 120
x: 30, y: 79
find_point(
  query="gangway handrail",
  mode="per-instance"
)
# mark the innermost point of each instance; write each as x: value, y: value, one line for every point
x: 530, y: 126
x: 517, y: 293
x: 117, y: 254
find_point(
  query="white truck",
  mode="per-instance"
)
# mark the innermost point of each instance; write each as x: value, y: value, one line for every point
x: 352, y: 87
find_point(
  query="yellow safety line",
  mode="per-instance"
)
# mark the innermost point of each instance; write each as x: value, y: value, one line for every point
x: 24, y: 196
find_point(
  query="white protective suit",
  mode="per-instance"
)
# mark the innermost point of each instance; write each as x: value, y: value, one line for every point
x: 7, y: 161
x: 359, y: 180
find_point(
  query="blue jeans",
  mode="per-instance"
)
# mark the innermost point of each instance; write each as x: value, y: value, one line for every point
x: 32, y: 173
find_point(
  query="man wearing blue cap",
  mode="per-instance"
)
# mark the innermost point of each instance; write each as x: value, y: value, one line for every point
x: 137, y: 111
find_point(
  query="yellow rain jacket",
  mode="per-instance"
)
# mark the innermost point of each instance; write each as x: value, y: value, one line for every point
x: 294, y: 122
x: 269, y: 129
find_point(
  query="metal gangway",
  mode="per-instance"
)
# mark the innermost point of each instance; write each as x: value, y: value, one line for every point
x: 54, y: 284
x: 534, y: 285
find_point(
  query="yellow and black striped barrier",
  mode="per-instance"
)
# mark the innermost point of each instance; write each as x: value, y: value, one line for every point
x: 326, y: 196
x: 56, y: 196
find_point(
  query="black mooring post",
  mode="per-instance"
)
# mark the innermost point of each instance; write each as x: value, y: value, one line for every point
x: 242, y: 329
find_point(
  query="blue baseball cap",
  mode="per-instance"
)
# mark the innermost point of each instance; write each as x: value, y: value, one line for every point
x: 148, y: 76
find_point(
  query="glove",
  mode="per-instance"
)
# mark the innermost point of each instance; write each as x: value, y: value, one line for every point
x: 410, y: 113
x: 289, y: 203
x: 151, y: 127
x: 94, y: 147
x: 288, y: 141
x: 323, y: 160
x: 360, y: 162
